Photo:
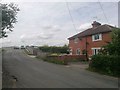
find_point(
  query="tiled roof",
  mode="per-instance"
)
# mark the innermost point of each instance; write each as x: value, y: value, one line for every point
x: 91, y: 31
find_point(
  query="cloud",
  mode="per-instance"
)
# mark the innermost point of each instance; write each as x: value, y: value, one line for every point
x: 34, y: 36
x: 5, y: 42
x: 50, y: 23
x: 45, y: 32
x: 51, y: 28
x: 84, y: 26
x: 59, y: 0
x: 7, y: 31
x: 43, y: 35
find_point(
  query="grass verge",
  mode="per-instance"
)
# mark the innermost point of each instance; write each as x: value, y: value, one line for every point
x: 51, y: 60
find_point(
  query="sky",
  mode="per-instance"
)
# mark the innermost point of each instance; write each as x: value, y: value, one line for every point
x: 53, y: 22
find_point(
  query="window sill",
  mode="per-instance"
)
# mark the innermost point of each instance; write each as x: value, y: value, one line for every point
x: 97, y: 40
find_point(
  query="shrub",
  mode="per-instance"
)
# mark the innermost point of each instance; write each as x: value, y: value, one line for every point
x: 106, y: 64
x: 113, y: 47
x: 55, y: 49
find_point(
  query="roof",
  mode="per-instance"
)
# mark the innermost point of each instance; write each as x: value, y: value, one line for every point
x: 91, y: 31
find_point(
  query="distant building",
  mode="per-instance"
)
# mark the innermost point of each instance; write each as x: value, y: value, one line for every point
x: 90, y: 40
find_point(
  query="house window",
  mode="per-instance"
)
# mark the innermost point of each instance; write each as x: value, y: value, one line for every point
x: 95, y: 51
x: 78, y: 51
x: 96, y: 37
x: 76, y: 40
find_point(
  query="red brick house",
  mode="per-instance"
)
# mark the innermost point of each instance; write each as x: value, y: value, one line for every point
x: 90, y: 40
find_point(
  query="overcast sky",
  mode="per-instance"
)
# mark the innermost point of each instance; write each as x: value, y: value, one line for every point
x: 50, y: 23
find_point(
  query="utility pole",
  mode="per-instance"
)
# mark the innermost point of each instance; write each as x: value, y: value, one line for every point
x: 86, y: 48
x: 119, y: 14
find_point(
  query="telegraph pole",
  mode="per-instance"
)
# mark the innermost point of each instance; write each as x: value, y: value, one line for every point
x: 119, y: 14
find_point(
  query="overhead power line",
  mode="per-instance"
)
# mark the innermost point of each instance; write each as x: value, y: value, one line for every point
x: 71, y: 16
x: 103, y: 11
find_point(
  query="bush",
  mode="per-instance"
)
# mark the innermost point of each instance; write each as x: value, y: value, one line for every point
x: 112, y: 47
x: 106, y: 64
x: 55, y: 49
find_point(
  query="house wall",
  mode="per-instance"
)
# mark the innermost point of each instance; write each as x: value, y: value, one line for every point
x: 91, y: 44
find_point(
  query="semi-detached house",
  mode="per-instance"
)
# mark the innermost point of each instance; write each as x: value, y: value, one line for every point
x: 90, y: 40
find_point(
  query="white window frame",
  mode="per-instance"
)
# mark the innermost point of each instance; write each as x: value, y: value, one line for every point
x: 100, y: 37
x: 93, y: 50
x: 77, y: 51
x: 76, y: 40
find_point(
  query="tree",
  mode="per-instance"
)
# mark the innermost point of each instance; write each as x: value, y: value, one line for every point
x: 8, y: 17
x: 113, y: 48
x: 55, y: 49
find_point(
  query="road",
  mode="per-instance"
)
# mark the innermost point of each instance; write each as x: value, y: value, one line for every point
x: 0, y: 68
x: 34, y: 73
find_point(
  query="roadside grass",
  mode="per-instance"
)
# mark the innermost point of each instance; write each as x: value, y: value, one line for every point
x: 51, y: 58
x: 55, y: 61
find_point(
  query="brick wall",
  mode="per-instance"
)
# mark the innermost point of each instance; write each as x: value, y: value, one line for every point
x: 69, y: 57
x: 82, y: 43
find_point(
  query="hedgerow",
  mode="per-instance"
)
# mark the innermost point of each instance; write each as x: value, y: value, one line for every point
x: 107, y: 64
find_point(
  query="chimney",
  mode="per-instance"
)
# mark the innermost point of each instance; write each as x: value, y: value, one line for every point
x: 95, y: 24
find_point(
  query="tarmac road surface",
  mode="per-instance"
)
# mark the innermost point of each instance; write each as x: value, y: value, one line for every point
x: 34, y: 73
x: 0, y: 68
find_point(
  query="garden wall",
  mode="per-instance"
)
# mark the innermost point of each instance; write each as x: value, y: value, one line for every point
x: 69, y: 57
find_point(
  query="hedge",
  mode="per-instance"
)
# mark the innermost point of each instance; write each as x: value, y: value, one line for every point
x: 106, y: 64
